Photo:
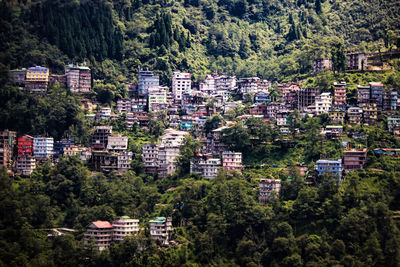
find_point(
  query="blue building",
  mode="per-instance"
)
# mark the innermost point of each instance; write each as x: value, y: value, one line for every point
x: 186, y: 125
x: 261, y: 98
x: 333, y: 167
x: 60, y: 145
x: 377, y: 94
x: 146, y: 80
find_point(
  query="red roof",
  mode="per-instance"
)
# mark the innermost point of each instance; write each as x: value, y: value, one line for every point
x: 102, y: 224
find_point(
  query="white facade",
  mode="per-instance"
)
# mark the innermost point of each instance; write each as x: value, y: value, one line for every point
x: 124, y: 160
x: 123, y: 227
x: 43, y: 147
x: 117, y: 142
x: 208, y: 87
x: 124, y: 105
x: 161, y: 229
x: 322, y: 103
x: 180, y: 83
x: 105, y: 113
x: 25, y: 165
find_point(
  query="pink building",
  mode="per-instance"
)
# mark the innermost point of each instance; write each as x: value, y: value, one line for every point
x: 232, y: 161
x: 101, y: 232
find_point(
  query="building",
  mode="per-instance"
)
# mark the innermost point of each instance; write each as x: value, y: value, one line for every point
x: 354, y: 159
x: 7, y: 143
x: 105, y: 113
x: 394, y: 152
x: 370, y: 113
x: 208, y: 168
x: 25, y: 145
x: 161, y: 229
x: 355, y: 115
x: 252, y: 85
x: 321, y: 64
x: 363, y: 95
x: 377, y: 94
x: 269, y: 188
x: 124, y: 105
x: 261, y: 98
x: 306, y: 97
x: 337, y: 114
x: 59, y: 146
x: 25, y: 165
x: 322, y: 103
x: 339, y: 94
x: 146, y: 79
x: 356, y: 61
x: 333, y: 131
x: 100, y: 137
x: 117, y: 142
x: 393, y: 122
x: 123, y: 227
x: 156, y: 96
x: 18, y: 76
x: 332, y: 167
x: 78, y: 78
x: 180, y: 83
x: 43, y: 147
x: 100, y: 233
x: 150, y: 157
x: 55, y: 78
x: 232, y: 161
x: 390, y: 98
x: 37, y: 79
x: 106, y: 161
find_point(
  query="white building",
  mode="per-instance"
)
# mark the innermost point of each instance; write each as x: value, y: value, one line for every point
x: 105, y: 113
x: 123, y: 227
x: 117, y: 142
x: 207, y: 168
x: 124, y: 160
x: 124, y: 105
x: 25, y: 165
x: 180, y: 83
x: 208, y: 87
x: 43, y: 147
x: 161, y: 229
x: 322, y: 103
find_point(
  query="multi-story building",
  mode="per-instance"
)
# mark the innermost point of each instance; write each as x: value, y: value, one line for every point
x: 363, y: 95
x: 146, y: 79
x: 337, y: 114
x: 55, y: 78
x: 356, y: 61
x: 261, y: 98
x: 269, y: 188
x: 106, y: 161
x: 393, y: 122
x: 150, y: 157
x: 161, y: 229
x: 105, y: 113
x: 180, y: 83
x: 339, y: 94
x: 232, y: 161
x: 7, y: 143
x: 377, y: 94
x: 332, y: 167
x: 208, y: 168
x: 100, y: 137
x: 59, y: 147
x: 78, y: 78
x: 25, y: 145
x: 390, y: 98
x: 37, y: 79
x: 354, y: 159
x: 123, y: 227
x: 333, y: 131
x: 306, y: 97
x: 43, y: 147
x: 322, y: 103
x: 100, y: 233
x: 117, y: 142
x: 355, y: 115
x: 124, y: 105
x: 208, y: 87
x: 370, y: 113
x: 25, y: 165
x: 18, y: 76
x: 156, y: 96
x: 322, y: 63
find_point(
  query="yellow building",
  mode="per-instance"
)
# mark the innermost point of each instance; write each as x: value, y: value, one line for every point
x: 37, y: 74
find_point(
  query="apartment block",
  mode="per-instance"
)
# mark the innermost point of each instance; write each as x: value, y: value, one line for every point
x: 269, y: 188
x: 180, y: 83
x: 156, y: 96
x: 337, y: 114
x: 208, y: 168
x: 100, y: 137
x: 18, y: 76
x: 37, y: 79
x: 339, y: 94
x: 43, y: 147
x: 306, y: 97
x: 25, y: 165
x: 354, y: 159
x: 322, y: 103
x: 232, y: 161
x: 333, y: 132
x: 390, y: 98
x: 356, y: 61
x: 377, y: 94
x: 355, y: 115
x: 123, y: 227
x: 146, y: 79
x: 117, y: 142
x: 161, y: 229
x: 370, y: 113
x: 124, y: 105
x: 7, y: 143
x: 393, y: 122
x: 322, y: 63
x: 78, y: 78
x: 363, y: 95
x: 25, y: 145
x: 105, y: 113
x: 332, y: 167
x: 100, y: 233
x: 106, y: 161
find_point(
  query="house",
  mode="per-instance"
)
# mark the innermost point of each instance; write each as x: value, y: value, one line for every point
x: 25, y: 145
x: 395, y: 152
x: 100, y: 137
x: 25, y: 165
x: 269, y: 188
x: 322, y: 63
x: 333, y: 131
x: 337, y: 114
x: 146, y: 79
x: 123, y: 227
x: 354, y: 115
x: 354, y: 159
x: 332, y: 167
x: 59, y: 146
x: 43, y: 147
x: 161, y: 229
x: 100, y: 233
x: 37, y: 79
x: 124, y: 105
x: 181, y: 82
x: 261, y: 98
x: 322, y: 103
x: 78, y: 78
x: 232, y: 161
x: 7, y: 144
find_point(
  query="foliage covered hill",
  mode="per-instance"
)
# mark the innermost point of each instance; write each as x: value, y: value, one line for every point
x: 273, y: 39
